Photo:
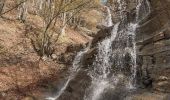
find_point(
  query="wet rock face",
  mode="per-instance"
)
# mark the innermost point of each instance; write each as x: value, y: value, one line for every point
x: 148, y: 96
x: 68, y: 56
x: 101, y: 35
x: 153, y: 41
x: 117, y: 8
x: 76, y: 89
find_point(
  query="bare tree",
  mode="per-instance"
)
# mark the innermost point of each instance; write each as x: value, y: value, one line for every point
x: 22, y: 10
x: 59, y: 7
x: 2, y: 4
x: 50, y: 11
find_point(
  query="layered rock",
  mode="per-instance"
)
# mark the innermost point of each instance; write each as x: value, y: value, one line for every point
x: 153, y: 41
x: 149, y: 96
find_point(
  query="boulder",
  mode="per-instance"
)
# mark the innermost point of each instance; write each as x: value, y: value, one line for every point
x: 102, y: 34
x: 89, y: 57
x: 77, y: 86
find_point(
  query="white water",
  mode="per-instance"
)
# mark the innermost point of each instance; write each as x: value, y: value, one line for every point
x: 143, y: 10
x: 73, y: 71
x: 132, y: 52
x: 102, y: 67
x: 122, y: 6
x: 108, y: 21
x: 103, y: 61
x: 102, y: 75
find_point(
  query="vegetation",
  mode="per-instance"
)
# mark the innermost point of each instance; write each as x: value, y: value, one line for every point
x: 50, y: 11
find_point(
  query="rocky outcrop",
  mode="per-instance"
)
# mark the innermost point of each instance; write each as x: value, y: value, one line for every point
x: 103, y: 33
x: 153, y: 41
x: 68, y: 56
x: 148, y: 96
x: 153, y: 48
x: 116, y: 9
x: 77, y: 86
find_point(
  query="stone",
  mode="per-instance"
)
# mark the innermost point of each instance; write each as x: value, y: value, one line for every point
x: 66, y: 58
x: 76, y: 88
x: 74, y: 48
x: 148, y: 96
x: 28, y: 98
x: 54, y: 56
x: 44, y: 58
x: 102, y: 34
x: 101, y: 27
x: 89, y: 57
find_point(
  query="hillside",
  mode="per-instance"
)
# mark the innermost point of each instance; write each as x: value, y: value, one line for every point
x: 23, y: 73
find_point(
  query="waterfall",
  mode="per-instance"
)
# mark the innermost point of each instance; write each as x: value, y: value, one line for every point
x: 143, y: 9
x: 132, y: 52
x: 114, y: 67
x: 116, y: 60
x: 122, y: 6
x: 103, y: 60
x: 110, y: 63
x: 102, y: 67
x: 72, y: 73
x: 108, y: 21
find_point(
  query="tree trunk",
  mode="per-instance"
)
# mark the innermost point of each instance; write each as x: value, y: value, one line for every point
x: 64, y: 25
x: 22, y: 12
x: 2, y: 4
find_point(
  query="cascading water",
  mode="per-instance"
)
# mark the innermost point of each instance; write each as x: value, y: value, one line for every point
x: 111, y: 63
x: 102, y: 67
x: 122, y: 6
x: 108, y: 21
x: 143, y: 9
x: 72, y: 73
x: 76, y: 63
x: 114, y: 67
x: 115, y: 62
x: 103, y: 62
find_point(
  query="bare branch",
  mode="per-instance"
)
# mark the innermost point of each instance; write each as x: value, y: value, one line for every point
x: 13, y: 7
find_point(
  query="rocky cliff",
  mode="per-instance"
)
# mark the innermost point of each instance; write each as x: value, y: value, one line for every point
x: 153, y: 55
x: 153, y: 41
